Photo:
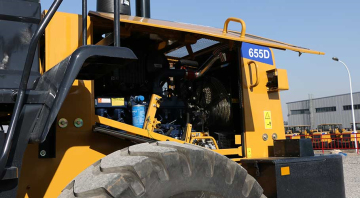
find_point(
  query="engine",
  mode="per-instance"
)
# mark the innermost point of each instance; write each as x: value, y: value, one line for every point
x: 199, y: 95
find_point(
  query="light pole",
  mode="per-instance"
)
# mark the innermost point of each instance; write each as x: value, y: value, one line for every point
x: 352, y: 102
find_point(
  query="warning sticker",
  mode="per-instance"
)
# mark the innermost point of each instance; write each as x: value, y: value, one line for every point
x: 104, y: 100
x: 267, y: 118
x: 248, y: 153
x: 117, y: 102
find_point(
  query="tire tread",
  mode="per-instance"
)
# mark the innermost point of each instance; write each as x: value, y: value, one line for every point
x: 130, y: 172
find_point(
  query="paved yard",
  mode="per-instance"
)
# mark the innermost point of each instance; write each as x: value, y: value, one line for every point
x: 352, y: 175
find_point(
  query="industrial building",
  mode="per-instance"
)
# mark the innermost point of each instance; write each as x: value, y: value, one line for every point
x: 326, y: 110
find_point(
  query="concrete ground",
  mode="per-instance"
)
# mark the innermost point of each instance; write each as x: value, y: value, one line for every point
x: 351, y: 164
x: 352, y: 175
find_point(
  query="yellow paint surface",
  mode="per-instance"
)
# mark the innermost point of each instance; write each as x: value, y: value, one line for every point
x: 63, y: 36
x: 237, y: 139
x: 285, y: 170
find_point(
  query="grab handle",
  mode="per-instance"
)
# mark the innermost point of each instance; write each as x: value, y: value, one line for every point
x: 257, y: 75
x: 243, y: 25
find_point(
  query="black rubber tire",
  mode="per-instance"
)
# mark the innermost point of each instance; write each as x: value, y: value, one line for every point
x: 164, y: 169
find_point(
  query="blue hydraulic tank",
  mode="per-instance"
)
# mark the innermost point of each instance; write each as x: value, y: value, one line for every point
x: 138, y: 115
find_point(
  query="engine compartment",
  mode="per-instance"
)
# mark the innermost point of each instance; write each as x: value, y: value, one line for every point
x: 200, y: 88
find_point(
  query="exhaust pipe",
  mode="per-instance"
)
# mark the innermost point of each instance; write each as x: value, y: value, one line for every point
x: 143, y: 8
x: 108, y: 6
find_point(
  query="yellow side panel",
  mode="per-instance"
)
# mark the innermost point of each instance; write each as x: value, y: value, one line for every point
x: 283, y: 79
x: 63, y: 36
x: 48, y: 177
x: 76, y: 148
x: 257, y: 103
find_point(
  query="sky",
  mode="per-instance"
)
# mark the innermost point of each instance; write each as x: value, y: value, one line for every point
x: 329, y: 26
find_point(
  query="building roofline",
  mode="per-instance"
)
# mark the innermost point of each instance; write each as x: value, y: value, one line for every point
x: 323, y: 97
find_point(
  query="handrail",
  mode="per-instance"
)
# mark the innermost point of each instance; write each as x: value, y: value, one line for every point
x: 257, y: 75
x: 116, y: 23
x: 24, y: 82
x: 84, y: 21
x: 243, y: 25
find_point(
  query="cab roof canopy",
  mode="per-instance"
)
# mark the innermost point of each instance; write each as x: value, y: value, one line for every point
x: 185, y: 34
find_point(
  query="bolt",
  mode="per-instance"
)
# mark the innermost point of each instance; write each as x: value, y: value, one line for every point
x: 14, y: 95
x: 42, y: 153
x: 154, y: 105
x: 265, y: 137
x: 274, y: 136
x: 78, y: 122
x: 63, y: 123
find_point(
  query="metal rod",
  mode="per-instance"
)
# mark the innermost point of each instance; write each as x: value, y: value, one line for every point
x: 207, y: 65
x: 241, y: 102
x: 84, y: 21
x: 117, y: 23
x: 352, y: 106
x: 23, y: 83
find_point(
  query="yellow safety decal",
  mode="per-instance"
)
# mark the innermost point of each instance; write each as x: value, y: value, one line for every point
x: 267, y: 118
x: 248, y: 153
x: 117, y: 102
x: 285, y: 170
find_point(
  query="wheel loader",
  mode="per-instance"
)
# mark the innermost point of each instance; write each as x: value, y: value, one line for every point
x: 109, y: 104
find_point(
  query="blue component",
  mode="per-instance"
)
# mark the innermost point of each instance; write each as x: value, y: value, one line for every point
x: 102, y: 112
x: 139, y: 99
x: 257, y: 53
x: 119, y: 115
x: 176, y: 132
x: 138, y: 115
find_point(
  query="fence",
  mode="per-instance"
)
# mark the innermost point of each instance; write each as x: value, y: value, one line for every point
x: 331, y: 141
